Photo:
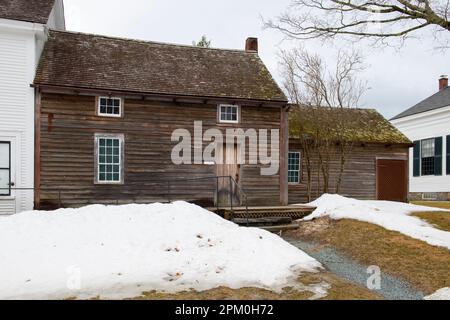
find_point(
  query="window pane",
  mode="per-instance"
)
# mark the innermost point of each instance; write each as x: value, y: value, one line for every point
x: 4, y: 155
x: 428, y: 166
x: 4, y: 182
x: 294, y: 167
x: 109, y: 160
x: 428, y: 148
x: 229, y: 113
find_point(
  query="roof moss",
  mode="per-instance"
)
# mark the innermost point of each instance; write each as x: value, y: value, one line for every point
x: 353, y: 125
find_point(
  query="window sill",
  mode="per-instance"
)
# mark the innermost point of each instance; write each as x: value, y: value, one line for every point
x: 6, y: 198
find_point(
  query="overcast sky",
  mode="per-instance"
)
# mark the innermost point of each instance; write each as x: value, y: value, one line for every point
x: 398, y: 79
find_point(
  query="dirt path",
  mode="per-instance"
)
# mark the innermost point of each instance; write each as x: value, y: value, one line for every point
x: 392, y: 288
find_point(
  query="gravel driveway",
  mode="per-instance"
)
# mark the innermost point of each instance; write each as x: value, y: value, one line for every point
x: 392, y: 288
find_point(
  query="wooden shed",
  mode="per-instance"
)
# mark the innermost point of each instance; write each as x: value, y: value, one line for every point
x: 376, y: 164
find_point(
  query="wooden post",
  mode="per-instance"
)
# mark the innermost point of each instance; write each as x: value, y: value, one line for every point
x: 37, y: 149
x: 284, y: 150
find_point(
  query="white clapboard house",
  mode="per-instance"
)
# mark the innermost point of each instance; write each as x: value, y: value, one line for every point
x: 24, y: 26
x: 428, y: 125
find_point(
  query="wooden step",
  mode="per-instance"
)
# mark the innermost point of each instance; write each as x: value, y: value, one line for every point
x: 293, y: 212
x: 263, y: 221
x: 286, y: 227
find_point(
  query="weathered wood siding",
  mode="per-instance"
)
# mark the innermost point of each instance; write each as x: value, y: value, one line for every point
x: 68, y: 125
x: 359, y: 180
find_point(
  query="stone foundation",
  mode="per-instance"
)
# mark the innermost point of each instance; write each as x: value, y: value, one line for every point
x: 429, y: 196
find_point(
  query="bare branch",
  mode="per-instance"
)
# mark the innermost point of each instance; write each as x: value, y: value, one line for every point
x: 376, y: 19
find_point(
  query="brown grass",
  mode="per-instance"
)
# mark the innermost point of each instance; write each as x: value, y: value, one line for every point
x: 434, y: 204
x: 424, y: 266
x: 340, y: 290
x: 440, y: 220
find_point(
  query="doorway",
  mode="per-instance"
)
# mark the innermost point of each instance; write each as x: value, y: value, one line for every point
x: 392, y: 180
x: 228, y: 189
x: 7, y: 176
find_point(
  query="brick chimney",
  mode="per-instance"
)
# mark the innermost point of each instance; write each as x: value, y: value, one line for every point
x: 251, y: 44
x: 443, y: 82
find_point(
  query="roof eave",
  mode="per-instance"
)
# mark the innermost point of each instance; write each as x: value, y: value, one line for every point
x: 108, y: 91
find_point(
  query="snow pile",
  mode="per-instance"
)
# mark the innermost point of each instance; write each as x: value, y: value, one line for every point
x: 393, y: 216
x: 122, y: 251
x: 442, y: 294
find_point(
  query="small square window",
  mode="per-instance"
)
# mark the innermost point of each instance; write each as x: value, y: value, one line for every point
x: 110, y: 107
x: 228, y: 114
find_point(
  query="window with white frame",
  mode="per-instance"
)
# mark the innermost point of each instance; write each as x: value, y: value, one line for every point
x: 294, y: 167
x: 109, y: 107
x: 5, y: 168
x: 428, y: 157
x: 109, y: 159
x: 228, y: 113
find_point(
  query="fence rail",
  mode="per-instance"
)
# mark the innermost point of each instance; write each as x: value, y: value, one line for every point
x: 167, y: 190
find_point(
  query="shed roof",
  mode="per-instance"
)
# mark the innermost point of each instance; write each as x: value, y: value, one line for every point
x: 361, y: 125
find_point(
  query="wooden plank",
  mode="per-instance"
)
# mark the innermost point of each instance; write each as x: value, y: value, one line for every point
x: 284, y: 149
x: 67, y: 150
x: 37, y: 149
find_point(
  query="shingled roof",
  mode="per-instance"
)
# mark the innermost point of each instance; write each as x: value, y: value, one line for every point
x: 361, y: 125
x: 36, y: 11
x: 438, y: 100
x: 81, y: 60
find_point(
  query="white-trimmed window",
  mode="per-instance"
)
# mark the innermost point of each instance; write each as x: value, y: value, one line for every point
x: 5, y: 168
x: 110, y: 107
x: 294, y: 167
x: 228, y: 113
x: 109, y: 158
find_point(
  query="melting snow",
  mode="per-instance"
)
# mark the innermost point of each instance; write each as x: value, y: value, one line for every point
x: 393, y: 216
x: 122, y: 251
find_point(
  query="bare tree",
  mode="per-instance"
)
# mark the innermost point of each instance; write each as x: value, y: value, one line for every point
x: 379, y: 20
x: 320, y: 121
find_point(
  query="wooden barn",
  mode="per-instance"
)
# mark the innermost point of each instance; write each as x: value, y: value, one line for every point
x: 375, y: 154
x: 106, y: 109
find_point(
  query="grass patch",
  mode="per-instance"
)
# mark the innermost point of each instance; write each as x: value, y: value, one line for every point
x: 340, y: 290
x: 424, y: 266
x: 440, y: 220
x: 434, y: 204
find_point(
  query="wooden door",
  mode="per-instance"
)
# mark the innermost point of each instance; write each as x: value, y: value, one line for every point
x: 392, y: 180
x: 228, y: 192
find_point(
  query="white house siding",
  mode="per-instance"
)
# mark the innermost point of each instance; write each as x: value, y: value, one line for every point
x: 21, y: 45
x: 431, y: 124
x: 17, y: 69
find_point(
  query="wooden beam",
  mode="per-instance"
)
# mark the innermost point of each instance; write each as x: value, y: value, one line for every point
x: 37, y: 148
x: 284, y: 150
x: 156, y: 96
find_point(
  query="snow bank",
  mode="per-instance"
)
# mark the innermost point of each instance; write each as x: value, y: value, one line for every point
x: 390, y: 215
x: 121, y: 251
x: 442, y: 294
